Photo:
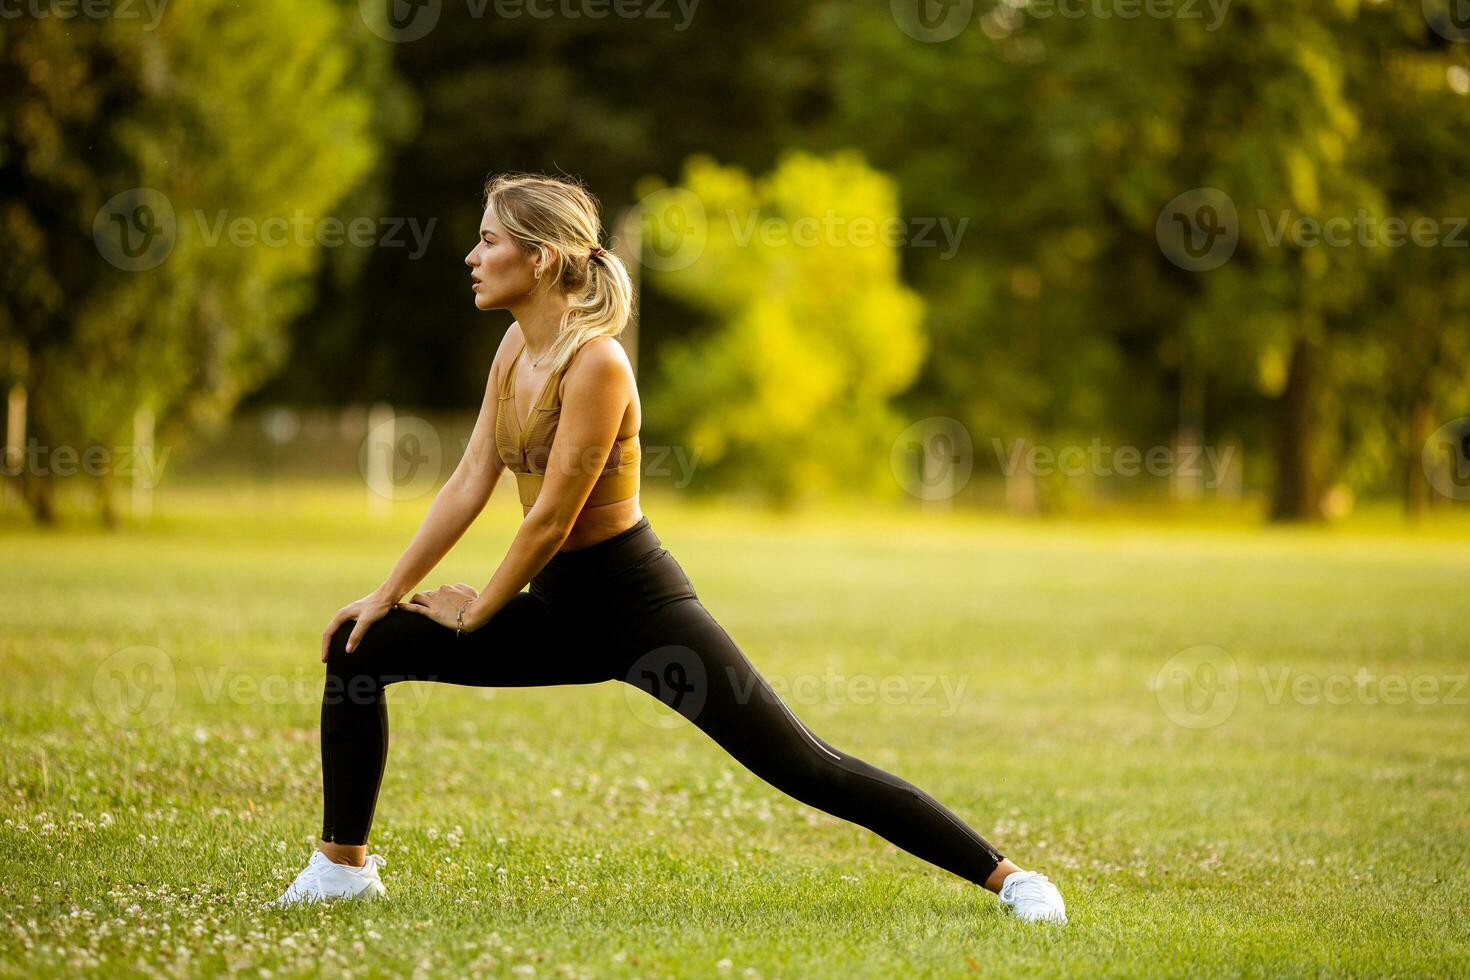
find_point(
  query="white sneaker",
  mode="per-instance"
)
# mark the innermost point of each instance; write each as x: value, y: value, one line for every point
x: 324, y: 880
x: 1033, y: 897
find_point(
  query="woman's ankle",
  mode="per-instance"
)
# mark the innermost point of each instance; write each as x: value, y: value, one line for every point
x: 354, y: 855
x: 997, y: 878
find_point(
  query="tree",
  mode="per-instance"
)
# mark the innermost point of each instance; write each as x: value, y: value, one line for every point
x: 811, y: 335
x: 1065, y: 153
x: 165, y: 188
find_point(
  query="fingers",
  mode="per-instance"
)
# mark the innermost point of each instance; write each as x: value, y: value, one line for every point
x: 362, y: 627
x: 337, y: 621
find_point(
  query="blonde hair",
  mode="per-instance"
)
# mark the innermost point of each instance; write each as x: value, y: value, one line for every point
x: 539, y: 211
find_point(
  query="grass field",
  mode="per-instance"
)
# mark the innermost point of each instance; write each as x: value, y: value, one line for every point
x: 1129, y: 707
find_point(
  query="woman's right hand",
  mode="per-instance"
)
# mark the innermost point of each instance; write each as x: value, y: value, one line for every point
x: 367, y: 610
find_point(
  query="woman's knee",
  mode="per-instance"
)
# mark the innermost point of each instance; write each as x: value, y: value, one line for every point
x: 337, y: 646
x: 381, y: 635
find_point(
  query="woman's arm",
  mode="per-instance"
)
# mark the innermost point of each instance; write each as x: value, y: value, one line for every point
x: 597, y: 391
x: 455, y: 508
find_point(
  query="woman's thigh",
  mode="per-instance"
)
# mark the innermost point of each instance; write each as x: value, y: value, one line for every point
x: 525, y: 644
x: 687, y: 660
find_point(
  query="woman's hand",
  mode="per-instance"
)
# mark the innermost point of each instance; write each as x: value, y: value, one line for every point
x: 367, y: 610
x: 442, y: 605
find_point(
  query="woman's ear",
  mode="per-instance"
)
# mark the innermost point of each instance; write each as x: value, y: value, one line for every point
x: 546, y: 258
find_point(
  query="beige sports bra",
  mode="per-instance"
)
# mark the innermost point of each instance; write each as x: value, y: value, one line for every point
x: 525, y: 452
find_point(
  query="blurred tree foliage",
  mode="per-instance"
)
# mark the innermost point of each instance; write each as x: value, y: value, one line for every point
x: 1057, y: 140
x: 814, y: 334
x: 610, y: 99
x: 1065, y: 137
x: 227, y: 117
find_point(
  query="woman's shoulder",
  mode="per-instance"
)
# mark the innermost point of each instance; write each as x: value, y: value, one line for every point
x: 600, y: 359
x: 509, y: 347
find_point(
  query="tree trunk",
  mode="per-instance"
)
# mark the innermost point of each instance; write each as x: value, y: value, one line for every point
x: 1294, y: 497
x: 106, y: 502
x: 1416, y: 481
x: 37, y: 482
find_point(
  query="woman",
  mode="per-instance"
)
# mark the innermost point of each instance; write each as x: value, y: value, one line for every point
x: 606, y: 601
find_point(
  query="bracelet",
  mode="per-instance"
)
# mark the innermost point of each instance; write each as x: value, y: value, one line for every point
x: 459, y: 631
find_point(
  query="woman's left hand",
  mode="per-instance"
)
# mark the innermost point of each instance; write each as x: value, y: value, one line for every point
x: 442, y: 605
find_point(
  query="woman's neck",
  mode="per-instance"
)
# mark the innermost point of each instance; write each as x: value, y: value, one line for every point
x: 540, y: 319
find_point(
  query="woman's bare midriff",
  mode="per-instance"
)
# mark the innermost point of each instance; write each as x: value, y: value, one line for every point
x: 596, y: 524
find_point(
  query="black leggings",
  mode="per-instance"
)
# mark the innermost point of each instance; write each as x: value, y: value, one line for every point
x: 621, y: 609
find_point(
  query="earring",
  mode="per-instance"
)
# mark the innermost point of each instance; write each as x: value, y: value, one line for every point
x: 538, y: 275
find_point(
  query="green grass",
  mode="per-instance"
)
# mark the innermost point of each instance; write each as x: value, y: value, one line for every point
x: 559, y: 832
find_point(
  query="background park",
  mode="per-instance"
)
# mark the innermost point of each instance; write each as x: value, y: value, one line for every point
x: 1065, y: 403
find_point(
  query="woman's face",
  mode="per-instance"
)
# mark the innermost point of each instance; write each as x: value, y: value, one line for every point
x: 501, y: 273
